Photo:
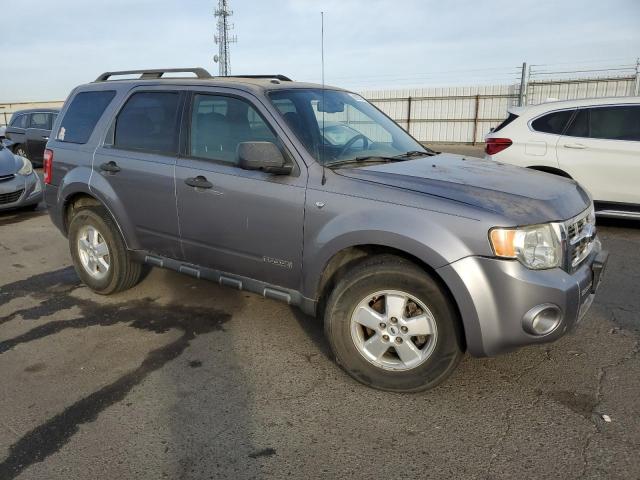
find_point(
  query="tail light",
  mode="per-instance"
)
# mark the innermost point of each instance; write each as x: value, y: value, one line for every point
x: 495, y: 145
x: 47, y: 165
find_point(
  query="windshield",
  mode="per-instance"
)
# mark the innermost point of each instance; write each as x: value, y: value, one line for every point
x: 337, y: 126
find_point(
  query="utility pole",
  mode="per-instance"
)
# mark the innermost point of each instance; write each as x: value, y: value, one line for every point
x: 222, y: 38
x: 523, y: 85
x: 636, y: 90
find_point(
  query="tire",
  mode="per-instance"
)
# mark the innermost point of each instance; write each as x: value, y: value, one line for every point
x: 440, y: 352
x: 122, y: 272
x: 21, y: 151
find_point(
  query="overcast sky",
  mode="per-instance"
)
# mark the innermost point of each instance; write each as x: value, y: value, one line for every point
x: 51, y: 46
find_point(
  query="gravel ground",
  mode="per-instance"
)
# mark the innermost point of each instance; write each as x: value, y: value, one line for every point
x: 183, y: 379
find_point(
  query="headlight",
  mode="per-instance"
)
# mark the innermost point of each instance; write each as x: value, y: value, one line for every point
x: 537, y: 247
x: 27, y: 168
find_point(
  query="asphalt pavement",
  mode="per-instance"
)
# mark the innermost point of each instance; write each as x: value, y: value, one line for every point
x: 183, y: 379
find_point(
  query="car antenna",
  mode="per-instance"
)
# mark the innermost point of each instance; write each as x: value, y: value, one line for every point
x: 324, y: 176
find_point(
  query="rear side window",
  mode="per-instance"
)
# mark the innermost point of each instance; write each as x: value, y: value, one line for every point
x: 20, y: 121
x: 39, y: 120
x: 149, y: 122
x: 580, y: 125
x: 615, y: 123
x: 507, y: 121
x: 552, y: 122
x: 82, y: 115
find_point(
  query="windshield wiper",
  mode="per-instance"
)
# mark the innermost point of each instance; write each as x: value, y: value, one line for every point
x: 416, y: 153
x: 367, y: 159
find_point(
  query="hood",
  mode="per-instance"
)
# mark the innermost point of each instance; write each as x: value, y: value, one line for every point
x: 523, y: 196
x: 8, y: 164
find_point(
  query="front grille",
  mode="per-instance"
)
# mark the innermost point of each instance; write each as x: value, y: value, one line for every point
x: 10, y: 197
x: 581, y: 235
x: 11, y: 176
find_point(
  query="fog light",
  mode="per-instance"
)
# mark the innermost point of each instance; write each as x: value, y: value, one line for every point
x: 542, y: 320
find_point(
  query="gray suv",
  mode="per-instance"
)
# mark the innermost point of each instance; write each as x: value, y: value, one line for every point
x: 411, y: 257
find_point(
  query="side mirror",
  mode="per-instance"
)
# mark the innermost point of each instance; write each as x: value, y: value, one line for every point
x: 265, y: 156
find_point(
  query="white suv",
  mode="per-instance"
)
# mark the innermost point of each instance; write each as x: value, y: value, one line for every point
x: 593, y: 141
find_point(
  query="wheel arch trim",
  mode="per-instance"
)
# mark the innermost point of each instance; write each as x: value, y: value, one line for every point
x: 359, y: 251
x: 79, y: 190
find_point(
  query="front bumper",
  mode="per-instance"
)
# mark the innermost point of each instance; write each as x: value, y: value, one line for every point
x: 20, y: 191
x: 494, y: 295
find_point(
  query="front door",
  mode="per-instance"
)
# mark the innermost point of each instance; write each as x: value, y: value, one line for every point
x: 138, y: 164
x: 600, y: 151
x: 247, y: 223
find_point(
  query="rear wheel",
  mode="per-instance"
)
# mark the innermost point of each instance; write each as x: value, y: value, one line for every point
x: 392, y: 327
x: 99, y: 253
x: 20, y: 151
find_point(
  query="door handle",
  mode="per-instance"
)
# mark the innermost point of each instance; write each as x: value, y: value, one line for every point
x: 45, y: 137
x: 198, y: 182
x: 576, y: 146
x: 111, y: 167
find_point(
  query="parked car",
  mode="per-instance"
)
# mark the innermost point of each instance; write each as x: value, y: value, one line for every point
x: 28, y: 132
x: 594, y: 141
x: 410, y: 257
x: 20, y: 187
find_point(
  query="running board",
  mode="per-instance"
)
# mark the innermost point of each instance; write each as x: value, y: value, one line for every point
x: 237, y: 282
x: 617, y: 214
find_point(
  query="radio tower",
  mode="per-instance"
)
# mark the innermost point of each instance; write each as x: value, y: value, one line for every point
x: 223, y: 39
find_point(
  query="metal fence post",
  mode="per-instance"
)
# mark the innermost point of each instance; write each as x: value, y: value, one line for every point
x: 523, y: 85
x: 636, y: 90
x: 475, y: 120
x: 409, y: 115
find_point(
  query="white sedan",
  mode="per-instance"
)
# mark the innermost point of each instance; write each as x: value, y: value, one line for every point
x: 593, y: 141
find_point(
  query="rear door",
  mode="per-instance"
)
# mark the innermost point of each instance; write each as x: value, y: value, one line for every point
x: 601, y: 150
x: 37, y: 135
x: 138, y: 160
x: 248, y: 223
x: 541, y: 149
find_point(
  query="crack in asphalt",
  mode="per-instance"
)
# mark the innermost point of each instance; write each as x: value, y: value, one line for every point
x: 49, y: 437
x: 596, y: 416
x: 497, y: 448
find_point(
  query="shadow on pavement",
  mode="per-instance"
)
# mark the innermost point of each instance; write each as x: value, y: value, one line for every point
x: 55, y: 292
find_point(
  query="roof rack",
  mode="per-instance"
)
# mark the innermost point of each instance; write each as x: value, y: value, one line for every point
x: 155, y: 73
x: 277, y: 77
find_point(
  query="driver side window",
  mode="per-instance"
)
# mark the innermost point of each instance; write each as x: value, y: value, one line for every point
x: 219, y: 124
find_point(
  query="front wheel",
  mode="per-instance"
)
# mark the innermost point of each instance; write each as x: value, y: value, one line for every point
x: 391, y: 326
x: 99, y: 253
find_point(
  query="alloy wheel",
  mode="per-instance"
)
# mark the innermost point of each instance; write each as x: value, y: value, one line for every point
x: 393, y: 330
x: 93, y: 252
